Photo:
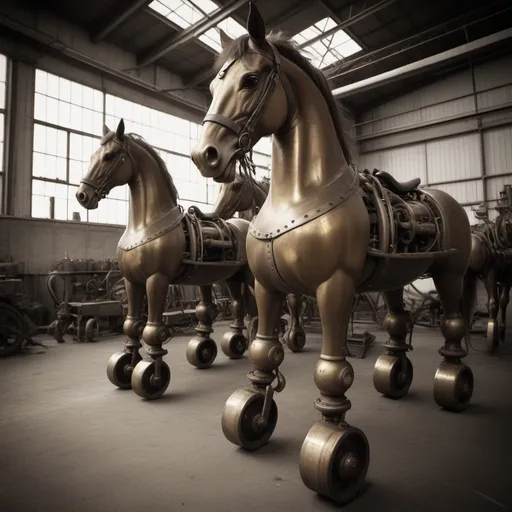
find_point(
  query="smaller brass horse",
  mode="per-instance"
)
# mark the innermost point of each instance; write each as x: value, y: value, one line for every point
x: 246, y: 196
x: 162, y: 245
x: 491, y: 261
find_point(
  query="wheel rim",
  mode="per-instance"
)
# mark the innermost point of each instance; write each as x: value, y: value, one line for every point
x: 349, y: 464
x: 400, y: 374
x: 153, y: 387
x: 252, y: 429
x: 464, y: 385
x: 206, y: 351
x: 123, y: 370
x: 297, y: 340
x: 238, y: 345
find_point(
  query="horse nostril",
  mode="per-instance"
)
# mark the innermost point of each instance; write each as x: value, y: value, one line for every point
x: 211, y: 155
x: 81, y: 196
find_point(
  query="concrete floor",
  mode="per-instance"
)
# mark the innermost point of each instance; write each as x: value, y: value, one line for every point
x: 70, y: 441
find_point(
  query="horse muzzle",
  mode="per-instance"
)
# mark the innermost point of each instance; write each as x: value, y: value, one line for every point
x: 215, y: 163
x: 87, y: 197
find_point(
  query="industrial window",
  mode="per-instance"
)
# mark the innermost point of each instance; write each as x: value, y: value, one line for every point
x: 3, y: 78
x: 187, y: 12
x: 325, y: 51
x: 173, y: 138
x: 68, y: 125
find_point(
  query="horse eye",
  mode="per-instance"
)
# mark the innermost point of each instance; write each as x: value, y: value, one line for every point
x: 108, y: 156
x: 250, y: 81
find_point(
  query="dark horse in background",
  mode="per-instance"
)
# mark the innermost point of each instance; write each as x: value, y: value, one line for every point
x: 246, y: 196
x: 491, y: 261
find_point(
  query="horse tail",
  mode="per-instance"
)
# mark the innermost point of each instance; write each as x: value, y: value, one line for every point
x: 468, y: 302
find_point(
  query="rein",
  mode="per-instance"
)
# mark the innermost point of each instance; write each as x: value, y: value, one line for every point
x: 100, y: 187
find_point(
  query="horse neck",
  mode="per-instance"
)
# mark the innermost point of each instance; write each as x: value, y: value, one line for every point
x: 151, y: 196
x: 259, y: 196
x: 306, y: 152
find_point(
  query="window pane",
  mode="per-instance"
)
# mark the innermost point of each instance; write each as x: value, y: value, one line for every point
x: 40, y: 107
x: 41, y: 81
x: 65, y: 90
x: 40, y: 206
x: 52, y: 88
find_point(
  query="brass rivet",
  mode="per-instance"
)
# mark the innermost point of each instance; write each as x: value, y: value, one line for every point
x: 318, y: 209
x: 306, y: 216
x: 293, y: 221
x: 278, y: 230
x: 286, y: 227
x: 330, y: 204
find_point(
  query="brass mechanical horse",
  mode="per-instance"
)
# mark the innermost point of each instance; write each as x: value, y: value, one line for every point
x: 163, y: 245
x: 491, y: 261
x: 246, y: 196
x: 325, y: 230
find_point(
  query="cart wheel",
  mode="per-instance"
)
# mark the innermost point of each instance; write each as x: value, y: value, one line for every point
x: 91, y: 329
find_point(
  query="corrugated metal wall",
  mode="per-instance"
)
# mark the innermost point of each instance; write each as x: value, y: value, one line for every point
x: 455, y: 134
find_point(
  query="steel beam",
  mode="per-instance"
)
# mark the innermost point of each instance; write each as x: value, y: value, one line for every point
x: 422, y: 65
x: 350, y: 21
x: 129, y: 8
x: 206, y: 74
x: 49, y: 42
x: 191, y: 33
x: 338, y: 20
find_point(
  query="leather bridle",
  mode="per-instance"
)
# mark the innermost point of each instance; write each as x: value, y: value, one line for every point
x: 244, y: 132
x: 101, y: 187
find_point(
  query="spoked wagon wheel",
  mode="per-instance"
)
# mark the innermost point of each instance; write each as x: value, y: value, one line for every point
x: 12, y: 332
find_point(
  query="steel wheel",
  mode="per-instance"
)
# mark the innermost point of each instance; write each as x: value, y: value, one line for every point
x: 295, y: 339
x: 334, y: 461
x: 453, y: 386
x: 201, y: 352
x: 91, y: 329
x: 234, y: 345
x: 392, y: 375
x: 241, y: 419
x: 145, y: 383
x: 492, y: 336
x: 120, y: 369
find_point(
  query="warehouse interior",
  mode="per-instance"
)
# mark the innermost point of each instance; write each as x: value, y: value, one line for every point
x: 427, y: 87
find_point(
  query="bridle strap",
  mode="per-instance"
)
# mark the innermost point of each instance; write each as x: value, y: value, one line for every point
x: 244, y: 133
x: 223, y: 121
x: 100, y: 187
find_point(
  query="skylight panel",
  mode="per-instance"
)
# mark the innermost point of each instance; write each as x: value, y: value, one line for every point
x: 330, y: 49
x: 187, y: 12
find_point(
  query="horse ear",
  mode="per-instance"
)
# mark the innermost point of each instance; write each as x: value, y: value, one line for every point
x: 256, y: 25
x: 225, y: 40
x: 120, y: 130
x: 106, y: 130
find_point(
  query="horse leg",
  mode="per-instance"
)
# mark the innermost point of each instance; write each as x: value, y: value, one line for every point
x: 491, y: 285
x: 151, y: 378
x: 295, y: 337
x: 201, y: 349
x: 504, y: 300
x: 120, y: 366
x: 334, y: 457
x: 453, y: 382
x: 234, y: 343
x: 250, y: 415
x: 392, y: 375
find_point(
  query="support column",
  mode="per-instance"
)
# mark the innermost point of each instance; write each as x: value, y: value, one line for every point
x: 19, y: 139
